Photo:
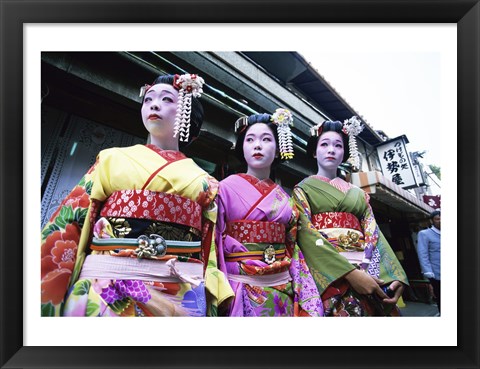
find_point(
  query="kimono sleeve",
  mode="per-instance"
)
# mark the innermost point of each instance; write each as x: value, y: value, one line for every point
x: 60, y: 239
x: 378, y: 251
x: 308, y: 301
x: 216, y: 283
x: 370, y: 232
x: 326, y: 265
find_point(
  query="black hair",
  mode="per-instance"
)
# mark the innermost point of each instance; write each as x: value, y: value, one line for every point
x: 197, y: 113
x: 433, y: 214
x: 327, y: 126
x: 242, y: 132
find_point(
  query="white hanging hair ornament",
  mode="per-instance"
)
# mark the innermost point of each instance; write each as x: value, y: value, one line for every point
x: 240, y: 124
x: 188, y: 85
x: 352, y: 127
x: 283, y: 118
x: 315, y: 130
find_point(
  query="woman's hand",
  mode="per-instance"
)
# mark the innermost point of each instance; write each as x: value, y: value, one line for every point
x: 365, y: 284
x: 398, y: 288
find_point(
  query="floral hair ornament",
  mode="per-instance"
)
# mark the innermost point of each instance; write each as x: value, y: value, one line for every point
x: 188, y: 85
x: 283, y: 118
x: 352, y: 127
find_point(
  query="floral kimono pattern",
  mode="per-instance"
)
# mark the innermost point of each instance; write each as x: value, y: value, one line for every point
x: 255, y: 239
x: 337, y: 232
x: 131, y: 198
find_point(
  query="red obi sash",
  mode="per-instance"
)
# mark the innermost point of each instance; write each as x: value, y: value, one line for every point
x: 336, y: 220
x: 159, y: 206
x: 255, y: 231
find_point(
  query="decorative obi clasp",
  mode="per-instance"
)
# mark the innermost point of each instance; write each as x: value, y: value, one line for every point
x: 146, y: 246
x: 268, y: 253
x: 345, y: 239
x: 343, y: 230
x: 350, y: 241
x: 154, y: 245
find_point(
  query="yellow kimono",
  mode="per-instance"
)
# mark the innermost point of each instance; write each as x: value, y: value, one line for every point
x: 133, y: 238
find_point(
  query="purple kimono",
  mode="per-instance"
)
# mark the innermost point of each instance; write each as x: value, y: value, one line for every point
x: 255, y: 239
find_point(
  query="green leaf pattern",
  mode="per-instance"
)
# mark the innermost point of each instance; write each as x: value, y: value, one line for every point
x: 81, y: 287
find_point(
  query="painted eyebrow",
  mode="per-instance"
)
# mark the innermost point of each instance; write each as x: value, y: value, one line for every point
x: 262, y: 135
x: 335, y: 141
x: 160, y: 92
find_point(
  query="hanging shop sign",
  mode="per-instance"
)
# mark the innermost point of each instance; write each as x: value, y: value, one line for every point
x: 433, y: 201
x: 395, y: 162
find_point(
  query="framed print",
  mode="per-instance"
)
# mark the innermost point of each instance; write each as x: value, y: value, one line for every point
x: 360, y: 349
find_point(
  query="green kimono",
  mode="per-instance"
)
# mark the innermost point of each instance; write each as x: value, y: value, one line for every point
x: 337, y: 233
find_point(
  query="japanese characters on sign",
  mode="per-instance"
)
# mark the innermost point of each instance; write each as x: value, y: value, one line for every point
x: 395, y: 162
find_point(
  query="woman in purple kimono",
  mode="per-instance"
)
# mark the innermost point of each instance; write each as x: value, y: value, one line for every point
x: 256, y: 227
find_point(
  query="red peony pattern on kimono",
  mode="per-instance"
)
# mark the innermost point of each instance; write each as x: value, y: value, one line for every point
x: 58, y: 259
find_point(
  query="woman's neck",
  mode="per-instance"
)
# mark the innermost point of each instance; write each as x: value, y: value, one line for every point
x: 326, y: 173
x: 261, y: 174
x: 165, y: 143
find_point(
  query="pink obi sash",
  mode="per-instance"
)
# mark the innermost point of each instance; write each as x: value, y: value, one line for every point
x: 265, y: 280
x: 114, y: 267
x: 336, y: 220
x: 255, y: 231
x: 159, y: 206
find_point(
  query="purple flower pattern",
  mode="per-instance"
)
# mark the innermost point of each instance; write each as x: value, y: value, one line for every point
x: 136, y: 290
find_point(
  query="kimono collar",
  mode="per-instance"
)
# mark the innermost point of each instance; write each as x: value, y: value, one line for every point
x: 323, y: 178
x: 336, y: 182
x: 264, y: 185
x: 170, y: 155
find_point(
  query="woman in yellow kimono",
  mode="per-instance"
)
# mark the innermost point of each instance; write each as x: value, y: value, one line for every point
x: 133, y: 237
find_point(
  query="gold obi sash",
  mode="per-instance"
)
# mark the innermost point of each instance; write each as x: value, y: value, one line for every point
x: 344, y: 232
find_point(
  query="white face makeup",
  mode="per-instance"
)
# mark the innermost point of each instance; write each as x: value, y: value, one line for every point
x: 159, y: 109
x: 329, y: 152
x: 259, y: 147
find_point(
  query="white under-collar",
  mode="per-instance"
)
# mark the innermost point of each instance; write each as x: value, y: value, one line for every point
x: 435, y: 229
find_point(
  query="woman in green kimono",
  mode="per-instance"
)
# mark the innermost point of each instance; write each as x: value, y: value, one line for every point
x: 354, y: 267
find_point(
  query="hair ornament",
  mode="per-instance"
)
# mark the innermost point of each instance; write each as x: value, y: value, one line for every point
x: 283, y: 119
x: 241, y: 124
x: 316, y: 131
x: 143, y: 90
x: 188, y: 85
x: 352, y: 127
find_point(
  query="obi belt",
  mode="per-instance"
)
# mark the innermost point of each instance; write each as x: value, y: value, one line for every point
x: 342, y: 230
x: 264, y: 240
x: 153, y: 224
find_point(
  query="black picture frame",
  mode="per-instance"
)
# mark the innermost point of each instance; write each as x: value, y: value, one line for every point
x: 14, y: 14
